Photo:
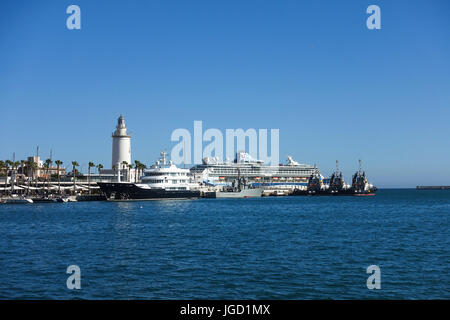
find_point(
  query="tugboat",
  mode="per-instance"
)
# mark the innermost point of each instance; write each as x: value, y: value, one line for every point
x: 337, y: 183
x: 360, y: 185
x: 315, y: 185
x: 337, y: 187
x: 163, y: 180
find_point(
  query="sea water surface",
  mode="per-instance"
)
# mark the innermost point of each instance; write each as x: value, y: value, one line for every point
x: 266, y: 248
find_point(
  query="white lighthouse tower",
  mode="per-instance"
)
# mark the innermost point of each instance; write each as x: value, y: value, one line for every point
x: 121, y: 149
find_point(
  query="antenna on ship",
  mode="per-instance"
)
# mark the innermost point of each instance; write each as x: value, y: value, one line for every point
x: 337, y: 166
x: 360, y: 165
x: 184, y: 154
x: 163, y: 157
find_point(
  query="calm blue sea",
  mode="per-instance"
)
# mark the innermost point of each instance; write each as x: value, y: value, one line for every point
x: 267, y: 248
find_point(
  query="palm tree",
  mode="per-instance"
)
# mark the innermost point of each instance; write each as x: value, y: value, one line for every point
x: 90, y: 165
x: 58, y: 164
x: 142, y: 167
x: 8, y: 163
x: 114, y: 167
x: 16, y: 165
x: 136, y: 166
x: 74, y: 165
x: 2, y: 165
x: 34, y: 167
x: 99, y: 168
x: 31, y: 168
x: 124, y: 166
x: 27, y: 166
x: 22, y: 164
x: 47, y: 166
x: 130, y: 166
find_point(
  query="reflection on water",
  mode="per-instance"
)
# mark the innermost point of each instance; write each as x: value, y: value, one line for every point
x: 174, y: 206
x: 162, y: 204
x: 125, y: 206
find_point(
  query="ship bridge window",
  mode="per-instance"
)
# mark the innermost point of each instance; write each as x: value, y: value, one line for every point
x: 154, y: 181
x: 153, y: 174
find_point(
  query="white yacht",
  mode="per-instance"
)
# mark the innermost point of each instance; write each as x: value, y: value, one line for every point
x: 163, y: 180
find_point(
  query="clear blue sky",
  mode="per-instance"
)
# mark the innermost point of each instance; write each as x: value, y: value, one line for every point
x: 335, y: 89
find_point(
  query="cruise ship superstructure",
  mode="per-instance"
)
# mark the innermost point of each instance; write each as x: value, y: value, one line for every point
x: 290, y: 175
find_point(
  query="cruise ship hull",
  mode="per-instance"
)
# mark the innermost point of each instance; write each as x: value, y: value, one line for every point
x: 130, y: 191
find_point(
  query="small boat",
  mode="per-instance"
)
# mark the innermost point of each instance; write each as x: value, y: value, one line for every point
x: 43, y: 200
x: 17, y: 200
x: 61, y: 199
x: 72, y: 199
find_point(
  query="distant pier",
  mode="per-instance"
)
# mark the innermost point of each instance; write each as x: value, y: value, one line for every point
x: 432, y: 187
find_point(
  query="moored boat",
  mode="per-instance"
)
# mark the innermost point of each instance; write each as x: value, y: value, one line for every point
x: 235, y: 193
x: 163, y: 180
x: 240, y: 188
x: 360, y: 184
x: 337, y: 186
x: 43, y: 200
x: 17, y: 200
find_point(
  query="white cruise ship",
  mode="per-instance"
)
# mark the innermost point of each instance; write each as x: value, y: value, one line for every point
x: 292, y: 174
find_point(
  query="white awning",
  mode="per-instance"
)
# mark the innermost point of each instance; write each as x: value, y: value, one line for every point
x: 9, y: 188
x: 31, y: 188
x: 66, y: 188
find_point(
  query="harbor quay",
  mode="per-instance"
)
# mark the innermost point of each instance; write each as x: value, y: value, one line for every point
x: 37, y: 180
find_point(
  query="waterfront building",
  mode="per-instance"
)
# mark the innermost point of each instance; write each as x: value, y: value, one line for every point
x: 41, y: 171
x: 39, y: 164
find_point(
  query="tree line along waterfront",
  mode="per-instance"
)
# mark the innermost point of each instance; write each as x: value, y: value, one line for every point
x: 44, y: 178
